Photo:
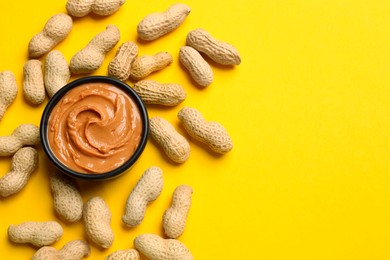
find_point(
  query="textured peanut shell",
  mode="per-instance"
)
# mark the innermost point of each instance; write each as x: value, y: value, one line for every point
x: 175, y: 217
x: 153, y: 92
x: 67, y: 200
x: 55, y: 30
x: 25, y: 134
x: 120, y: 66
x: 23, y: 164
x: 8, y: 90
x: 106, y: 7
x: 73, y: 250
x: 91, y: 57
x: 156, y: 248
x: 97, y: 220
x: 175, y: 146
x: 156, y: 25
x: 198, y: 68
x: 147, y: 189
x: 80, y: 8
x: 219, y: 51
x: 213, y: 134
x: 128, y: 254
x: 33, y: 84
x: 57, y: 73
x: 144, y: 65
x: 36, y: 233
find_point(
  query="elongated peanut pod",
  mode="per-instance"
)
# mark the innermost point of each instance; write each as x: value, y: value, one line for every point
x: 67, y: 200
x: 120, y: 66
x: 128, y: 254
x: 36, y: 233
x: 73, y: 250
x: 175, y: 146
x: 157, y: 248
x: 97, y: 221
x: 213, y: 134
x: 80, y: 8
x: 33, y: 85
x: 175, y: 217
x: 166, y: 94
x: 25, y: 134
x: 55, y: 30
x: 198, y: 68
x: 156, y: 25
x: 106, y: 7
x: 8, y: 90
x: 24, y: 162
x: 147, y: 189
x: 144, y: 65
x: 57, y: 73
x: 219, y: 51
x: 91, y: 57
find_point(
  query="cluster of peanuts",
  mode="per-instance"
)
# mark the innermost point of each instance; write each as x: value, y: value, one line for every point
x: 126, y: 65
x: 96, y: 215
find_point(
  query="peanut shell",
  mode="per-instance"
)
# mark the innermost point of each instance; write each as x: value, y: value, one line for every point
x: 219, y: 51
x: 198, y: 68
x: 155, y: 25
x: 153, y: 92
x: 213, y: 134
x: 120, y: 66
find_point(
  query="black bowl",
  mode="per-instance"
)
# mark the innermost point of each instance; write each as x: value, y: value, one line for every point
x: 58, y: 96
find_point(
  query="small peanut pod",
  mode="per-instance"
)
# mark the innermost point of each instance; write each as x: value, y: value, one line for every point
x: 175, y: 146
x: 128, y: 254
x: 25, y: 134
x: 157, y: 248
x: 68, y: 202
x: 175, y: 217
x: 55, y: 30
x: 147, y: 189
x: 97, y: 220
x: 220, y: 52
x: 91, y: 57
x: 24, y: 162
x: 80, y: 8
x: 146, y: 64
x: 153, y: 92
x: 33, y: 84
x: 73, y: 250
x: 198, y: 68
x: 57, y: 73
x: 156, y: 25
x: 36, y: 233
x: 120, y: 66
x: 8, y: 90
x: 213, y: 134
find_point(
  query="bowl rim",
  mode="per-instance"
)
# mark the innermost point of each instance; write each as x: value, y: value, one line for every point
x: 58, y: 96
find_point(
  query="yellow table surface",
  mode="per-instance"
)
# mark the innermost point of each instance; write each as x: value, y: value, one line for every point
x: 308, y: 111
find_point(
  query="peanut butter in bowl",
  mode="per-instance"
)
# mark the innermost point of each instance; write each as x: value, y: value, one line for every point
x: 95, y: 127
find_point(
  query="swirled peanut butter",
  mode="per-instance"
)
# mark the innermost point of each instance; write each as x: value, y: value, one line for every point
x: 94, y: 128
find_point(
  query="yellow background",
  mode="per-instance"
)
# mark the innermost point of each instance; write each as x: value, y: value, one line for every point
x: 308, y: 110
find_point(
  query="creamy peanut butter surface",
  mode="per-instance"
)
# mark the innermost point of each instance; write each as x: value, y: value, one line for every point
x: 94, y: 128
